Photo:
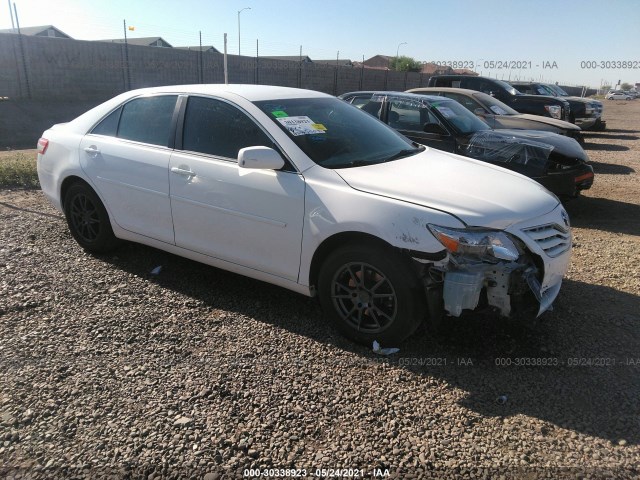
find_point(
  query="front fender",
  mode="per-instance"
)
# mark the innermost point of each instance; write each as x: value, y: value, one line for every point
x: 333, y: 207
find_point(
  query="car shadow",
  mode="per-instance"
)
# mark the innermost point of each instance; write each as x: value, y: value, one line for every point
x: 476, y: 354
x: 604, y: 214
x: 611, y: 168
x: 618, y: 130
x: 584, y: 383
x: 21, y: 209
x: 588, y: 136
x: 605, y: 147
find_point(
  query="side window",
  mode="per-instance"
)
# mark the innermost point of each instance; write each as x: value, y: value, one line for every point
x: 109, y: 125
x: 217, y: 128
x: 486, y: 87
x: 360, y: 101
x: 406, y: 115
x: 147, y: 119
x: 372, y: 107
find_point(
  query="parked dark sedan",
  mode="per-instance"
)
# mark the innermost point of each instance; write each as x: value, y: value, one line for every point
x: 499, y: 115
x: 557, y: 162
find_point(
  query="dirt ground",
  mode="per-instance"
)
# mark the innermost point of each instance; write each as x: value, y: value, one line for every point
x: 197, y: 371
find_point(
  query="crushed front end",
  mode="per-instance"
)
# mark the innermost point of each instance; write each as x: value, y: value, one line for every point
x: 516, y: 272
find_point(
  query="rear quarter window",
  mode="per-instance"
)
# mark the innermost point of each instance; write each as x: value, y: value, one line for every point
x: 109, y: 125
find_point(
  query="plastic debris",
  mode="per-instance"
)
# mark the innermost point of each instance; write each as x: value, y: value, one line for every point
x: 383, y: 351
x: 156, y: 271
x: 501, y: 400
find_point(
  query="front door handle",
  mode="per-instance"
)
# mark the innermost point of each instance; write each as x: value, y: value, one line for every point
x: 182, y: 171
x: 92, y: 150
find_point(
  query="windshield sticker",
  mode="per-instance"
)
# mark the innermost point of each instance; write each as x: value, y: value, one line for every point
x: 301, y: 125
x: 498, y: 110
x: 279, y: 114
x: 446, y: 111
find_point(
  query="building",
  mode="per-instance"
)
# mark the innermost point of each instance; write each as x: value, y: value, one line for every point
x: 203, y: 48
x: 465, y: 71
x: 291, y: 58
x: 381, y: 62
x: 42, y: 31
x: 336, y: 62
x: 143, y: 41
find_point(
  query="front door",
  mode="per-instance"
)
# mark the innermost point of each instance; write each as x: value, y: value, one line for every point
x: 248, y: 217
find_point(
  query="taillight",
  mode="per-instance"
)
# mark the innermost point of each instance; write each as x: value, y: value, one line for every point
x: 43, y: 143
x: 583, y: 177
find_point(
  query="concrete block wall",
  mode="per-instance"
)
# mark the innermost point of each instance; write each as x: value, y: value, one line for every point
x: 45, y: 77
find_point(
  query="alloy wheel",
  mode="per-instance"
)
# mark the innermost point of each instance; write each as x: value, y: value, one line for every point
x: 85, y: 217
x: 364, y: 297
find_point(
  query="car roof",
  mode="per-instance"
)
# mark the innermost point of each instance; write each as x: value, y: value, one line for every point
x: 463, y: 91
x: 250, y: 92
x: 413, y: 96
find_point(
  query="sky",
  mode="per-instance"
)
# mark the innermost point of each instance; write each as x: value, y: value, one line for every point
x: 573, y: 42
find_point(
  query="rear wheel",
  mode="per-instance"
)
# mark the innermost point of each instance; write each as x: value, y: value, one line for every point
x: 371, y: 293
x: 88, y: 220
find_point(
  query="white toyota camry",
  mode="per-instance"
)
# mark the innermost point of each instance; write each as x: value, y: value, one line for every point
x: 299, y: 189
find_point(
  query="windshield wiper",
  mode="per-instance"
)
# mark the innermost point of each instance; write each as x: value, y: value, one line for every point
x: 405, y: 153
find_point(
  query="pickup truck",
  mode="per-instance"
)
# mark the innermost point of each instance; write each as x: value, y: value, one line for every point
x: 584, y: 112
x: 547, y: 106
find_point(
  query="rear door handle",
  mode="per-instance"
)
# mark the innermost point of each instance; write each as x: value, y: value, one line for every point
x: 182, y: 171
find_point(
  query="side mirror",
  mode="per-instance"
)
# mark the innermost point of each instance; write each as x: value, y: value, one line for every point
x: 479, y: 111
x: 434, y: 128
x: 262, y: 158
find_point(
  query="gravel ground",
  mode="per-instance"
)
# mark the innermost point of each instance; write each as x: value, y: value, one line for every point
x: 108, y: 370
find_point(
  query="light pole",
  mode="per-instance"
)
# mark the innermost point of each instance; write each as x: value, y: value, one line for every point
x: 397, y: 51
x: 239, y: 12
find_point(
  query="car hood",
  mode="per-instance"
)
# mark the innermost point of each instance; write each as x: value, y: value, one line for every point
x: 477, y: 193
x: 548, y: 121
x: 565, y: 146
x: 578, y: 99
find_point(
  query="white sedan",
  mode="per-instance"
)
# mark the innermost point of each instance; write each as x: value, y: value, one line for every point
x: 299, y: 189
x: 617, y: 96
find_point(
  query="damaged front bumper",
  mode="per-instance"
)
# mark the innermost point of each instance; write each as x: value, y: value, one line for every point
x: 522, y: 286
x: 508, y: 288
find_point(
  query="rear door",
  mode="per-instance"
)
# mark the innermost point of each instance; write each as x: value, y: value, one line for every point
x: 126, y: 156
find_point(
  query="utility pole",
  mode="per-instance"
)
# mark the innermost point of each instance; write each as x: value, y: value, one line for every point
x: 226, y: 75
x: 398, y: 51
x: 13, y: 26
x: 239, y: 12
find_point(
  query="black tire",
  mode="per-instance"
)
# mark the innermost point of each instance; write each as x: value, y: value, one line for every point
x: 88, y: 220
x: 347, y: 283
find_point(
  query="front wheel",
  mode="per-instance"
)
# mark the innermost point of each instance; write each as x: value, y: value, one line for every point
x: 88, y: 220
x: 371, y: 293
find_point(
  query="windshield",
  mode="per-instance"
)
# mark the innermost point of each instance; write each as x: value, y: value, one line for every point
x: 547, y: 90
x: 558, y: 90
x: 495, y: 105
x: 335, y: 134
x: 507, y: 87
x: 458, y: 117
